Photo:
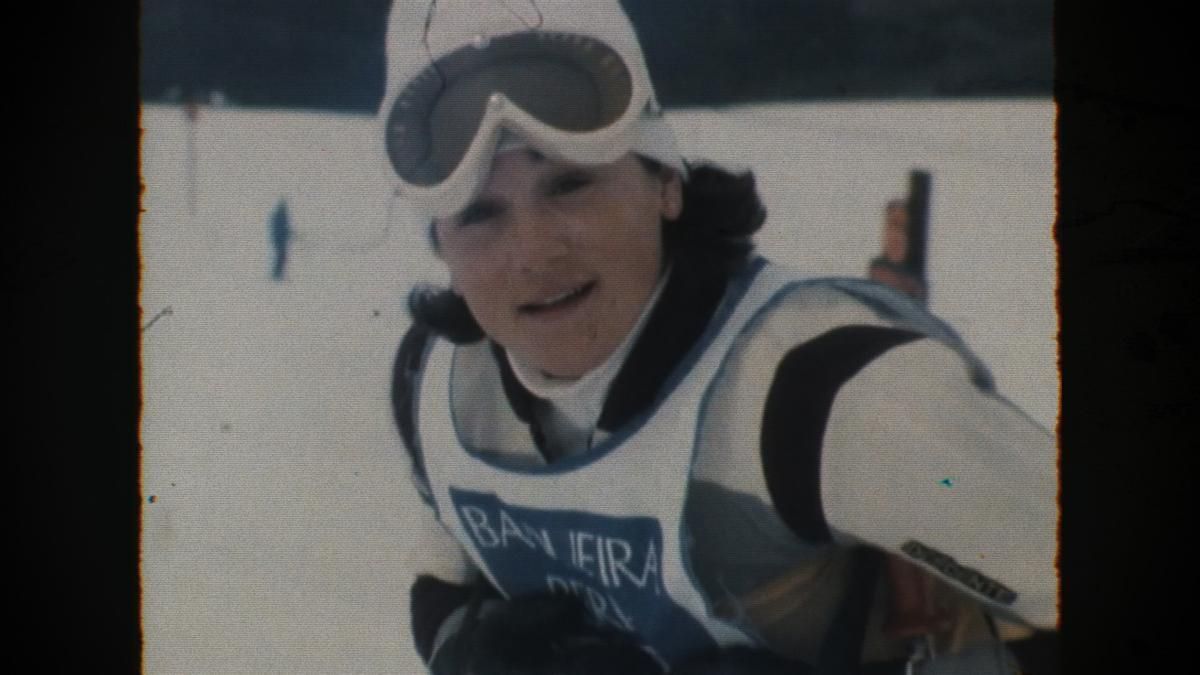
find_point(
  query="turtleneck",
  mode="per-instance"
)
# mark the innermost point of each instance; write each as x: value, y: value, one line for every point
x: 568, y: 409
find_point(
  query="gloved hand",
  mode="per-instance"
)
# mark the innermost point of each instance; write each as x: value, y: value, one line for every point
x: 740, y: 661
x: 540, y: 635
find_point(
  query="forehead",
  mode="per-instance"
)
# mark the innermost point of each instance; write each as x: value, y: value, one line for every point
x: 516, y: 166
x: 521, y: 168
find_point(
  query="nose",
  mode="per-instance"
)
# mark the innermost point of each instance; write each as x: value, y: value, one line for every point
x: 542, y: 240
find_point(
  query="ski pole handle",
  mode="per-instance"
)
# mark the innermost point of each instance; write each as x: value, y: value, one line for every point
x: 919, y: 187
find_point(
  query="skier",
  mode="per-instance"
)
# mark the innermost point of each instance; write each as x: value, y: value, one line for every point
x: 895, y: 266
x: 281, y: 235
x: 646, y: 449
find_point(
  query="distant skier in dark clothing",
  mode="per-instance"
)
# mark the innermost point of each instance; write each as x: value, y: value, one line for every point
x: 281, y: 234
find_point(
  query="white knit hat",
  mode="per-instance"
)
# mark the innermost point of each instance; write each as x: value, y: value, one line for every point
x: 422, y: 33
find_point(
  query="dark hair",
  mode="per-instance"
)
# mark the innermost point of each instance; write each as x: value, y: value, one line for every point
x: 714, y: 231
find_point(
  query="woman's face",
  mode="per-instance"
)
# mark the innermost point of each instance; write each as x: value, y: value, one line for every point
x: 555, y: 260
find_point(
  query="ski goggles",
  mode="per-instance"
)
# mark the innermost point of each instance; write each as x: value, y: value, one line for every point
x: 567, y: 96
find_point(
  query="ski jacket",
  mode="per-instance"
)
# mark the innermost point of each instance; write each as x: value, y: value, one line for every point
x: 838, y: 417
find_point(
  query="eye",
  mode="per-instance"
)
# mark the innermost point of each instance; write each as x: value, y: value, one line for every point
x: 570, y: 182
x: 477, y: 212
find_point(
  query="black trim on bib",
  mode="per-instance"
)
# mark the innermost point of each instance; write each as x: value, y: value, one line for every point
x: 798, y: 406
x: 406, y: 373
x: 687, y: 305
x: 841, y: 650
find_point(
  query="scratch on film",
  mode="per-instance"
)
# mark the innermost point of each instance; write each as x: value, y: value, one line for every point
x: 166, y: 311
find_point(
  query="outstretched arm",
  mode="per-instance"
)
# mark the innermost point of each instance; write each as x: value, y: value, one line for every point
x: 879, y: 436
x: 920, y: 462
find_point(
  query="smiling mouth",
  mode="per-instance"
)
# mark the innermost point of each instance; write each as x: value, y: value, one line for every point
x: 559, y: 302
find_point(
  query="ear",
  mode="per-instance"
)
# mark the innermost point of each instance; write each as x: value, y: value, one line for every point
x: 672, y: 195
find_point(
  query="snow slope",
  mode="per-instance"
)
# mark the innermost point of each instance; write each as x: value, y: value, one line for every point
x: 276, y: 497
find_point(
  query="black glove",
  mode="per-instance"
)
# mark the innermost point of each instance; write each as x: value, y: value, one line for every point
x: 741, y: 661
x: 540, y: 635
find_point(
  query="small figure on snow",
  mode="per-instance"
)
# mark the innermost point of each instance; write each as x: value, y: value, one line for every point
x: 281, y: 235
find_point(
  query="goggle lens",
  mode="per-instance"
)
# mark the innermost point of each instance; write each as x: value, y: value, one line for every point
x: 567, y: 82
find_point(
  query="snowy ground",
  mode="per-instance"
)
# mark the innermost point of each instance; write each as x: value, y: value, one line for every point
x: 276, y: 500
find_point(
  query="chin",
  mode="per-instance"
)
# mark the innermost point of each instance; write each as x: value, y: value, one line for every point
x: 569, y: 369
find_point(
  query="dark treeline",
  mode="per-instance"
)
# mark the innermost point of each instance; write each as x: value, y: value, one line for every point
x: 329, y: 55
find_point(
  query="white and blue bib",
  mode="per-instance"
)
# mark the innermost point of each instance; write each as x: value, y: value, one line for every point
x: 607, y: 525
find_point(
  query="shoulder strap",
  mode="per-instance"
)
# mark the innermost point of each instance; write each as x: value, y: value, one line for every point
x: 841, y: 650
